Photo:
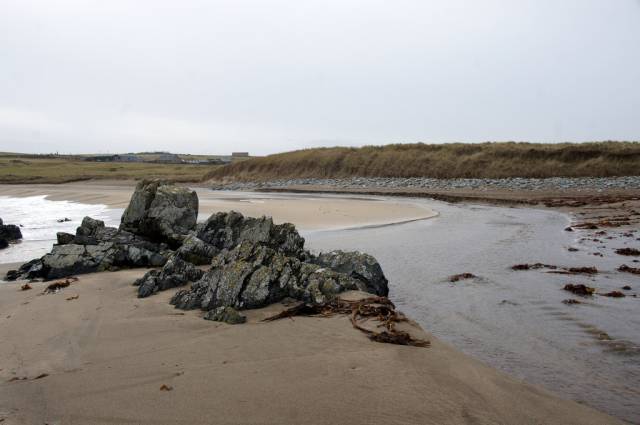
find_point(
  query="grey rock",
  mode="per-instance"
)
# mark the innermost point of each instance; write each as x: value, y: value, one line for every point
x: 227, y: 315
x: 8, y: 233
x: 89, y: 227
x: 253, y: 275
x: 360, y: 266
x: 64, y: 238
x: 226, y: 230
x: 94, y: 248
x: 29, y: 270
x: 176, y: 272
x: 196, y: 251
x: 161, y: 211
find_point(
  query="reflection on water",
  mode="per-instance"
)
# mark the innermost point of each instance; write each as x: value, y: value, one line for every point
x: 514, y: 321
x: 38, y: 217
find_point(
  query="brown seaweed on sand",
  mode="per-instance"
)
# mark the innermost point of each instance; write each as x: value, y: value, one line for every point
x: 625, y: 268
x: 579, y: 289
x: 461, y: 276
x: 628, y: 251
x: 56, y: 286
x: 556, y: 269
x: 534, y: 266
x: 613, y: 294
x: 576, y: 270
x: 378, y: 308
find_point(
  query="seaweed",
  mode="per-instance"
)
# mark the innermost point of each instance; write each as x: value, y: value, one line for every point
x: 379, y: 308
x: 56, y: 286
x: 462, y: 276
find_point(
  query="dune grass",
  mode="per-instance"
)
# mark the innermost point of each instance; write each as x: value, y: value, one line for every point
x: 35, y: 169
x: 458, y: 160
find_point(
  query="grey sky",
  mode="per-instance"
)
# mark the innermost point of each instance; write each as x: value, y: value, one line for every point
x: 267, y: 76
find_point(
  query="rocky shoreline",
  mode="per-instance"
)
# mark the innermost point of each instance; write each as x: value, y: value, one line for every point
x: 518, y: 183
x: 252, y: 262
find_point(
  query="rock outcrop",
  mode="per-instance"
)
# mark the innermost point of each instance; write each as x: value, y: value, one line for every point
x: 232, y: 262
x: 161, y: 211
x: 220, y: 233
x: 253, y: 275
x: 93, y: 248
x: 255, y: 263
x: 226, y: 230
x: 8, y: 233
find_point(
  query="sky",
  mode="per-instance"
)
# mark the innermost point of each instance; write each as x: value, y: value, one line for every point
x: 215, y: 76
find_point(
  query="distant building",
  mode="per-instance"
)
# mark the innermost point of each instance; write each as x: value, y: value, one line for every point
x: 240, y: 154
x: 114, y: 158
x: 128, y: 157
x: 169, y: 158
x: 210, y: 161
x: 100, y: 158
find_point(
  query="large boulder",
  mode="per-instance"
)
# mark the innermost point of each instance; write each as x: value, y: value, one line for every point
x: 359, y: 266
x: 161, y: 211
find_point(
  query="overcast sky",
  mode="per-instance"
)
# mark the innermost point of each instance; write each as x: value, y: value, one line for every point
x: 266, y: 76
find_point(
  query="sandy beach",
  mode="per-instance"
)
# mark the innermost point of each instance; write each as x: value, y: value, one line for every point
x: 305, y: 211
x: 106, y: 355
x: 93, y: 353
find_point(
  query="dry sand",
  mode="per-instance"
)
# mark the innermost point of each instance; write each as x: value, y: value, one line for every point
x: 107, y: 354
x: 307, y: 212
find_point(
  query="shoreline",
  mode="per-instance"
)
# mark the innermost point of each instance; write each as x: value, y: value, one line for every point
x: 104, y: 356
x: 400, y: 366
x: 307, y: 213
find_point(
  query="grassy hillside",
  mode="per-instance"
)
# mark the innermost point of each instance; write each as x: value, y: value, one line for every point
x: 40, y: 169
x: 486, y: 160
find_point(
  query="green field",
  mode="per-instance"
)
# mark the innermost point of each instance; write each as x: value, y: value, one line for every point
x: 15, y: 168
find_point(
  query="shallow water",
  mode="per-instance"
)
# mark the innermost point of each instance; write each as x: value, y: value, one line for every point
x: 513, y: 321
x: 38, y: 217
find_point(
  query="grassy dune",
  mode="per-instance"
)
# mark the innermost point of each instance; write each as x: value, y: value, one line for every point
x: 33, y: 169
x: 486, y: 160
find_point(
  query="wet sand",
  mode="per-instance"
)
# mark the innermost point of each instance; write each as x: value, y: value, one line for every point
x: 305, y: 211
x: 106, y: 355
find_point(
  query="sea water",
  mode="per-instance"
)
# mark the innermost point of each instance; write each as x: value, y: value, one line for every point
x: 38, y: 219
x: 515, y: 321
